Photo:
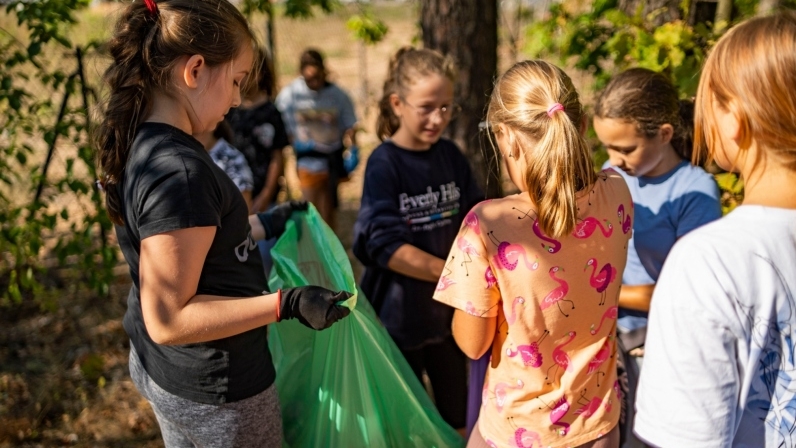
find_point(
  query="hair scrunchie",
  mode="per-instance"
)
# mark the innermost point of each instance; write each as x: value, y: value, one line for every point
x: 555, y: 107
x: 152, y: 7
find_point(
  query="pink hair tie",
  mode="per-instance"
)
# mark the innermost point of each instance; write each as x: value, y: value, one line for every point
x: 554, y: 108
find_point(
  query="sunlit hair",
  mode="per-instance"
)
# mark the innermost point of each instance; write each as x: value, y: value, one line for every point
x: 558, y: 157
x: 649, y: 100
x: 752, y: 67
x: 144, y: 48
x: 406, y: 67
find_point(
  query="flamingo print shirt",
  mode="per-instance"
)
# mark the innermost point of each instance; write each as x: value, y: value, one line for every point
x: 552, y: 376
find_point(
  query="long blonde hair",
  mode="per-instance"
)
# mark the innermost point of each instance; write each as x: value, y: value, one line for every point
x: 753, y: 67
x: 557, y: 156
x: 406, y: 66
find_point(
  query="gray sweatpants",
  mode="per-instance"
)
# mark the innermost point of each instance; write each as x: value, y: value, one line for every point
x: 253, y: 422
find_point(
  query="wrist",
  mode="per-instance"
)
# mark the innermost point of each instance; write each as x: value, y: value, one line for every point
x: 278, y: 304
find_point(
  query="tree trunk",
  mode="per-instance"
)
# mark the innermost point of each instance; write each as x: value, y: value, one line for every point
x: 661, y: 11
x: 467, y: 31
x: 723, y: 15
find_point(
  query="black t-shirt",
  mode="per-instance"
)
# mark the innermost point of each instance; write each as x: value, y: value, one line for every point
x: 418, y: 198
x: 258, y: 132
x: 170, y: 183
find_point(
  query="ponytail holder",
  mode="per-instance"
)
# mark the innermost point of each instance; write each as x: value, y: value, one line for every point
x: 152, y: 7
x: 555, y: 107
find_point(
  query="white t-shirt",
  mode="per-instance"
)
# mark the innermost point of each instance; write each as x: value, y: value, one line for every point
x: 720, y: 365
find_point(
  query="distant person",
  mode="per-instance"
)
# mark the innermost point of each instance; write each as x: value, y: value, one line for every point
x: 198, y: 308
x: 418, y: 188
x: 719, y: 369
x: 320, y: 117
x: 260, y: 134
x: 532, y: 279
x: 228, y: 158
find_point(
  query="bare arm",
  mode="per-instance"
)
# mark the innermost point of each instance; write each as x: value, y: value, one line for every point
x: 258, y: 231
x: 636, y: 297
x: 275, y: 168
x: 170, y: 266
x: 473, y: 334
x: 247, y: 196
x: 413, y: 262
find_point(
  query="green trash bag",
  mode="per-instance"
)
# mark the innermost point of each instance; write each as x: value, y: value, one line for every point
x: 349, y: 385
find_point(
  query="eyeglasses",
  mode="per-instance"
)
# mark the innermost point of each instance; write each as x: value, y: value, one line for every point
x: 447, y: 112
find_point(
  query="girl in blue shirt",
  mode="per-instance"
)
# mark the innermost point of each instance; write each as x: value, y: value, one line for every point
x: 648, y: 133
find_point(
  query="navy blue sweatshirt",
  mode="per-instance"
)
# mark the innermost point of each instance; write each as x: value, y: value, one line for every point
x: 418, y: 198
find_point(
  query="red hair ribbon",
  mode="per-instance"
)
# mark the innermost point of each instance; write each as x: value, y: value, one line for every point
x: 152, y: 7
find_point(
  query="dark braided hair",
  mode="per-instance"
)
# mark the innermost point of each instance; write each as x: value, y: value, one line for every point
x: 146, y: 44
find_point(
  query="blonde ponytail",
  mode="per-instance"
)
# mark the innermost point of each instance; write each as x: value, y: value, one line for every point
x: 557, y: 156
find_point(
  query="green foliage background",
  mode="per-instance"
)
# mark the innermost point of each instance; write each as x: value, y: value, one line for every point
x: 604, y: 40
x: 33, y: 230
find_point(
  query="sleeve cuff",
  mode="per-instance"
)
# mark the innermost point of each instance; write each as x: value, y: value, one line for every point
x: 383, y: 258
x: 177, y: 223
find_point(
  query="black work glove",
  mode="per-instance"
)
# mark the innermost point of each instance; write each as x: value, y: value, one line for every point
x: 313, y: 306
x: 274, y: 220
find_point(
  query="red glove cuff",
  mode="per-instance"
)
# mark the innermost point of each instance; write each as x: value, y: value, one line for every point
x: 278, y: 304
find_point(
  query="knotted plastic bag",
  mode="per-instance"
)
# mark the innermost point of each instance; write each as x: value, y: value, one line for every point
x: 349, y: 385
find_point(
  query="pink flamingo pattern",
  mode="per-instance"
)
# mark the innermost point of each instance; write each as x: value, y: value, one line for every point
x: 512, y: 317
x: 554, y: 246
x: 523, y: 436
x: 501, y: 392
x: 490, y: 278
x: 588, y: 408
x: 601, y: 281
x: 471, y: 221
x: 557, y: 412
x: 560, y: 357
x: 468, y: 250
x: 469, y: 308
x: 602, y: 355
x: 531, y: 356
x: 556, y: 296
x: 610, y: 313
x: 508, y: 255
x: 588, y: 226
x: 444, y: 281
x: 623, y: 219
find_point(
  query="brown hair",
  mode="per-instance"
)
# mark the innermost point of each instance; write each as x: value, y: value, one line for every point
x: 265, y: 81
x: 560, y: 164
x: 650, y: 100
x: 407, y: 65
x: 311, y: 58
x: 144, y: 48
x: 752, y: 67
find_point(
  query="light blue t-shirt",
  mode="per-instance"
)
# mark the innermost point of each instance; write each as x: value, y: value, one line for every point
x: 666, y: 208
x: 322, y: 116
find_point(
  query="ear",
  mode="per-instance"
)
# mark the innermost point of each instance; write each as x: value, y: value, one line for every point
x: 193, y: 69
x: 737, y: 126
x: 395, y: 103
x: 666, y: 133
